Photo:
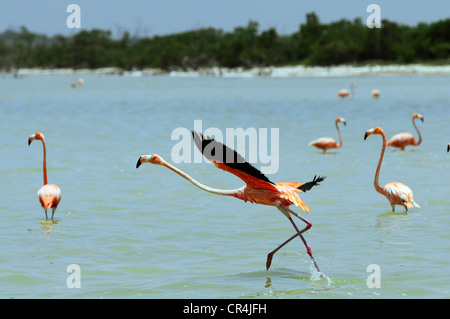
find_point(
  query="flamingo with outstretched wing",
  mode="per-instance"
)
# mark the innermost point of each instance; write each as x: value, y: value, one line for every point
x: 258, y: 188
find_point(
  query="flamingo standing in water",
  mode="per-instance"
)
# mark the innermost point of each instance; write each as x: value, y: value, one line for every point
x: 49, y: 194
x: 343, y: 93
x: 396, y: 193
x: 325, y: 143
x: 376, y: 93
x: 404, y: 139
x: 258, y: 189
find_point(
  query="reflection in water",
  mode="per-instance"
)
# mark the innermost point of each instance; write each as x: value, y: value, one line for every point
x: 268, y: 282
x: 47, y: 227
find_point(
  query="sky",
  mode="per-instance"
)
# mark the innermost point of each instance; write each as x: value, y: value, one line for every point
x: 151, y: 17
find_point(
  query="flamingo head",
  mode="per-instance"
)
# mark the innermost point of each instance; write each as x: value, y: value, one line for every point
x: 418, y: 116
x: 35, y: 136
x: 448, y: 148
x: 342, y: 120
x: 153, y: 159
x: 375, y: 130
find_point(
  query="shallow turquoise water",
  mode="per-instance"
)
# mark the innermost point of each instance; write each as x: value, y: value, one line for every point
x: 147, y: 233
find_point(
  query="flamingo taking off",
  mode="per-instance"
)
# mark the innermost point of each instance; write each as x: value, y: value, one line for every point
x: 49, y: 194
x: 258, y: 189
x: 396, y: 193
x: 325, y: 143
x: 404, y: 139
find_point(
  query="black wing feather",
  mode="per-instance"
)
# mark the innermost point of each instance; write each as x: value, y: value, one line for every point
x: 307, y: 186
x: 216, y: 151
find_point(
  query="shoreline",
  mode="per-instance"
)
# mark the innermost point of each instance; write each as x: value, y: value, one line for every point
x: 282, y: 71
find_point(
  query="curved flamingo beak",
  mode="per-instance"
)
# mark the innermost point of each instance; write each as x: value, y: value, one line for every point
x: 139, y: 162
x: 31, y: 138
x: 143, y: 159
x: 368, y: 132
x: 448, y: 148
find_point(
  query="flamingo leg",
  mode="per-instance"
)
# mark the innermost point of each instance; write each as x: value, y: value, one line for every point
x: 45, y: 209
x: 270, y: 255
x: 299, y: 233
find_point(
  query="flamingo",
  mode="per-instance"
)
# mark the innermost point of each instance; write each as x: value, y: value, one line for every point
x: 404, y: 139
x: 376, y: 93
x: 325, y: 143
x: 343, y: 93
x: 49, y: 194
x: 346, y: 93
x: 396, y: 193
x: 258, y: 189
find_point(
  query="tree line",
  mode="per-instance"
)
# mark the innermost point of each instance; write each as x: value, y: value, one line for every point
x: 314, y: 43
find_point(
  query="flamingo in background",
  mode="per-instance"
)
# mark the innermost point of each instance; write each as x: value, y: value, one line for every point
x: 404, y: 139
x: 396, y: 193
x: 343, y: 93
x: 346, y: 93
x: 258, y: 189
x: 325, y: 143
x: 49, y: 194
x: 376, y: 93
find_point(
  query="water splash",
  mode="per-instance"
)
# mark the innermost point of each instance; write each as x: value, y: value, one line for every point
x: 317, y: 276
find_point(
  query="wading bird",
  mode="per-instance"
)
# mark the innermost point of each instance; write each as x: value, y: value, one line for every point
x: 376, y: 93
x: 404, y: 139
x: 343, y: 93
x: 346, y: 93
x: 325, y: 143
x: 396, y: 193
x: 258, y: 189
x: 49, y: 194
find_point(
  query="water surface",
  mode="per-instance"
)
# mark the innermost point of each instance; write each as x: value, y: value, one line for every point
x: 147, y: 233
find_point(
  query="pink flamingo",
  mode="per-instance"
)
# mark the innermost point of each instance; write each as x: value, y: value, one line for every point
x: 325, y: 143
x: 404, y: 139
x: 376, y: 93
x: 49, y: 194
x: 258, y: 189
x: 343, y: 93
x: 396, y: 193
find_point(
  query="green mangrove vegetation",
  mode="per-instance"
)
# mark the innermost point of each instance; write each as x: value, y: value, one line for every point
x: 314, y: 43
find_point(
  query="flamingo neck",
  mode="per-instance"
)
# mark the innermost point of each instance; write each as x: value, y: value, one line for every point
x: 418, y: 132
x: 234, y: 192
x: 377, y: 174
x: 44, y: 163
x: 339, y: 132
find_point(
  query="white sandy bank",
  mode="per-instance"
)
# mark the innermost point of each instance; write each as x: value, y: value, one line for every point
x: 286, y: 71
